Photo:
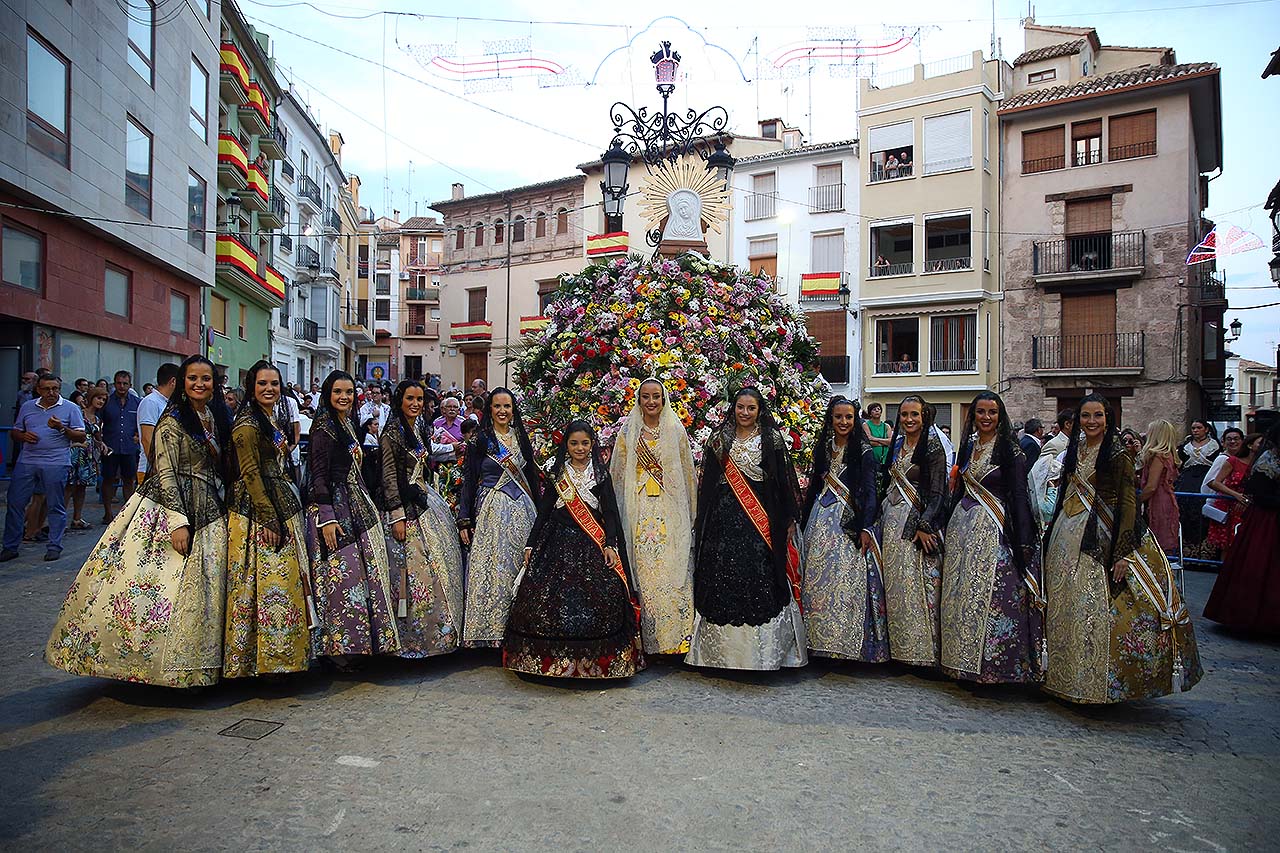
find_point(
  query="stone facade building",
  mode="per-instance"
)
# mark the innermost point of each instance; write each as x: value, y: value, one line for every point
x: 1107, y: 157
x: 422, y: 244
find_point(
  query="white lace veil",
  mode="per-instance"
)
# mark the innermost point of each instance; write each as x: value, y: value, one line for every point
x: 678, y: 502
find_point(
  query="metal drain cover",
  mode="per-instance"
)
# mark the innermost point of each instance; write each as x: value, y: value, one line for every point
x: 251, y: 729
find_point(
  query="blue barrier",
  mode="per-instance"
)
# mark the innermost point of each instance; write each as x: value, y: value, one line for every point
x: 1202, y: 497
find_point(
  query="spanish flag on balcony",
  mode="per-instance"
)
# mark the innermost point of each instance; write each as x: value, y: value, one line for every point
x: 616, y: 243
x: 477, y: 331
x: 814, y: 285
x: 532, y: 325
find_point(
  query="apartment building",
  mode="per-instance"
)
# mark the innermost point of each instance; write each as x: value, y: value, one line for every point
x: 504, y: 253
x: 384, y: 245
x: 105, y: 172
x: 354, y: 318
x: 422, y: 243
x: 930, y: 291
x: 1108, y: 153
x: 795, y: 217
x: 247, y: 287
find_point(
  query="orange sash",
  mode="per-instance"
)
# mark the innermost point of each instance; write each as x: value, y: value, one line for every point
x: 649, y: 462
x: 581, y: 513
x: 760, y: 520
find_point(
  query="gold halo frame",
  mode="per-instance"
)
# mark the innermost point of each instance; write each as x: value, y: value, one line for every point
x: 691, y: 174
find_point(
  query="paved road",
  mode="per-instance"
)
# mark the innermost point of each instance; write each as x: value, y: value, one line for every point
x: 456, y: 753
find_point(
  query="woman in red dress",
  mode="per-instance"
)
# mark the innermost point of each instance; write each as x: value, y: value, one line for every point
x: 1241, y: 452
x: 1159, y: 470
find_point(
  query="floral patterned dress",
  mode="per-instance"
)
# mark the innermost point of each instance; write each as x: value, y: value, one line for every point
x: 139, y: 610
x: 84, y: 457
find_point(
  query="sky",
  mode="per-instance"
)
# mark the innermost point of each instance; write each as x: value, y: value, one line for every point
x: 413, y: 128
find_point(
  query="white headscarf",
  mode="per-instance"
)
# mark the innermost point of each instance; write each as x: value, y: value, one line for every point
x: 678, y: 502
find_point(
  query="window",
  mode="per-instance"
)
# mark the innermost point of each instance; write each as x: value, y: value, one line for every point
x: 499, y: 232
x: 540, y: 224
x: 413, y: 367
x: 1042, y: 76
x: 762, y: 255
x: 947, y: 243
x: 243, y: 326
x: 827, y: 253
x: 898, y: 345
x: 948, y: 142
x: 141, y: 25
x: 218, y: 314
x: 196, y: 210
x: 764, y: 196
x: 421, y: 255
x: 1088, y: 227
x: 827, y: 193
x: 115, y: 291
x: 459, y: 238
x: 437, y: 244
x: 23, y: 253
x: 48, y: 100
x: 1132, y: 135
x: 562, y: 221
x: 137, y: 168
x: 479, y: 234
x: 1086, y: 142
x: 476, y: 305
x: 178, y: 311
x: 517, y: 230
x: 893, y: 249
x: 986, y: 240
x: 1042, y: 150
x: 382, y: 284
x: 892, y: 151
x: 953, y: 343
x: 546, y: 292
x: 382, y: 309
x: 199, y: 118
x: 986, y: 140
x: 769, y: 129
x: 1089, y: 330
x: 831, y: 331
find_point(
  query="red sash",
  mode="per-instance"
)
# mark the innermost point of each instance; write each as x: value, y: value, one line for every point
x: 760, y: 519
x: 581, y: 513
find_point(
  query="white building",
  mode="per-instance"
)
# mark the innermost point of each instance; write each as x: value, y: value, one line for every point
x: 794, y: 217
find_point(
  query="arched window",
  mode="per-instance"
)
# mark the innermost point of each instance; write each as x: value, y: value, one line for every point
x: 459, y: 238
x: 499, y: 232
x: 479, y: 233
x: 540, y: 224
x: 562, y: 221
x: 517, y: 230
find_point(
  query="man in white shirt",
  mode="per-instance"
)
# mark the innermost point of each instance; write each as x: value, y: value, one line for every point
x: 373, y: 415
x: 149, y: 411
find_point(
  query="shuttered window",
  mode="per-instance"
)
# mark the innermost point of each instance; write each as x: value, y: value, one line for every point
x: 762, y: 255
x: 828, y: 253
x: 948, y: 142
x: 475, y: 305
x: 829, y: 328
x: 830, y: 175
x: 1089, y: 330
x: 1086, y: 142
x: 1043, y: 150
x: 1089, y: 216
x: 900, y: 135
x: 1133, y: 135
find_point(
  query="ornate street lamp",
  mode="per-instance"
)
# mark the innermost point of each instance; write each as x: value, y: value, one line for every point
x: 617, y: 163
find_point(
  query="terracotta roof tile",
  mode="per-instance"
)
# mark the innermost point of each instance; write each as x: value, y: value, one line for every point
x: 1053, y: 51
x: 421, y: 223
x: 1091, y: 86
x: 797, y: 152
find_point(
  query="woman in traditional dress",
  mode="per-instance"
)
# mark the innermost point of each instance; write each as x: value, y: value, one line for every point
x: 575, y: 613
x: 1115, y: 624
x: 652, y: 464
x: 1241, y: 451
x: 992, y: 607
x: 1246, y: 595
x: 347, y: 544
x: 496, y: 511
x: 912, y: 516
x: 1155, y: 484
x: 148, y: 604
x: 1196, y: 454
x: 841, y: 590
x: 269, y: 608
x: 422, y: 541
x: 746, y: 567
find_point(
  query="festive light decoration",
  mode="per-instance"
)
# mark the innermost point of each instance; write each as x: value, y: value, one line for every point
x: 703, y: 329
x: 1217, y: 244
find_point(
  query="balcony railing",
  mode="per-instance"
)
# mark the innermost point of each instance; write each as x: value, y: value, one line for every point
x: 305, y: 330
x: 422, y: 329
x: 1090, y: 253
x: 307, y: 257
x: 1213, y: 286
x: 358, y: 314
x: 1106, y: 350
x: 308, y: 190
x: 286, y: 170
x: 1128, y: 152
x: 331, y: 221
x: 897, y: 366
x: 834, y: 368
x: 826, y: 198
x: 880, y: 270
x: 1044, y: 164
x: 423, y: 294
x: 947, y: 264
x: 881, y: 172
x: 286, y: 243
x: 759, y: 205
x: 953, y: 365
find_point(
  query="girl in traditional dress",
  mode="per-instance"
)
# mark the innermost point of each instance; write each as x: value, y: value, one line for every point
x: 1246, y: 595
x: 575, y: 613
x: 496, y: 511
x: 652, y: 463
x: 912, y: 516
x: 344, y: 534
x: 746, y: 568
x: 269, y: 607
x: 426, y: 559
x: 1115, y: 623
x: 1196, y: 454
x: 842, y: 592
x: 1158, y: 472
x: 148, y: 604
x: 992, y: 607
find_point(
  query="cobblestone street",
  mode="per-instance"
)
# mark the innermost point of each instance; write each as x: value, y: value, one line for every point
x: 455, y: 753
